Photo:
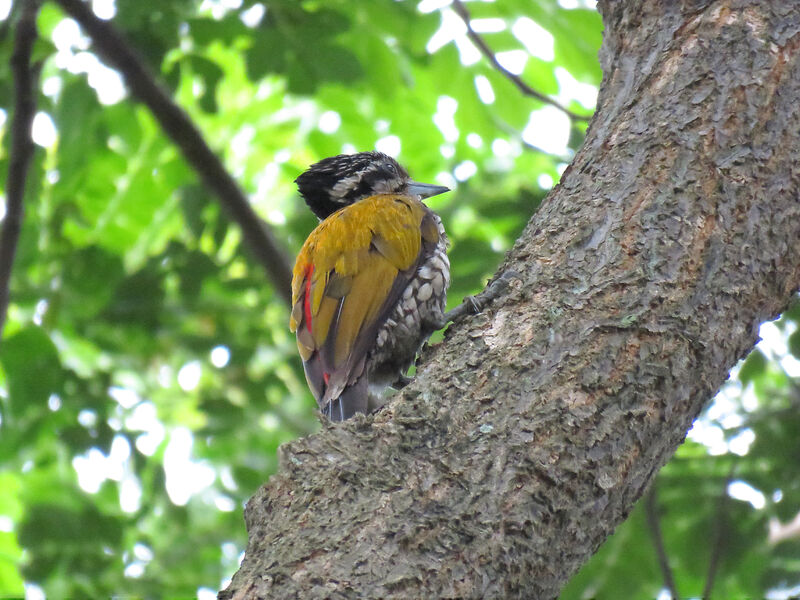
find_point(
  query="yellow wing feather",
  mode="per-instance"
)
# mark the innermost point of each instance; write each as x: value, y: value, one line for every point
x: 361, y: 306
x: 345, y: 272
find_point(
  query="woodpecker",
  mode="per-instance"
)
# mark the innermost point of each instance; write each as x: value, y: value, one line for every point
x: 370, y: 282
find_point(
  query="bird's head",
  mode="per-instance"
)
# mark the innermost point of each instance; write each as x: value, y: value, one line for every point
x: 338, y: 181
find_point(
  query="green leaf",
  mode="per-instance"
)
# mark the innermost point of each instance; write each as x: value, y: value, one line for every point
x: 205, y: 31
x: 753, y: 366
x: 268, y: 54
x: 138, y: 299
x: 47, y: 18
x: 49, y: 526
x: 211, y: 74
x: 90, y: 275
x: 794, y: 343
x: 42, y: 49
x: 11, y: 582
x: 33, y: 370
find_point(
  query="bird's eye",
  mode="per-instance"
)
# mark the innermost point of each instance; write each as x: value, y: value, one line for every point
x: 391, y: 168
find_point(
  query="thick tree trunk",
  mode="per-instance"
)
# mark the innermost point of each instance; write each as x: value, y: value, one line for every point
x: 532, y: 430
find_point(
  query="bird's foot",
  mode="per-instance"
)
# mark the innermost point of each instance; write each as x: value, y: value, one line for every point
x: 402, y: 382
x: 472, y: 305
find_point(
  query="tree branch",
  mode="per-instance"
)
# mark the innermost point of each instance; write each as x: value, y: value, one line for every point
x: 718, y: 535
x: 530, y: 432
x: 654, y: 524
x: 26, y: 77
x: 523, y: 87
x: 178, y: 126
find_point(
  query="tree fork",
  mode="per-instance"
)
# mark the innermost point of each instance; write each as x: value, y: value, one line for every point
x: 529, y: 434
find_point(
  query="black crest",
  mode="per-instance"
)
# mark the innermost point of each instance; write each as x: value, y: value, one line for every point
x: 335, y: 182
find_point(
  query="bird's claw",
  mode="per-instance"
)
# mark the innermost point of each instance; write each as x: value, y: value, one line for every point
x: 473, y: 303
x: 482, y: 300
x: 499, y: 286
x: 402, y: 382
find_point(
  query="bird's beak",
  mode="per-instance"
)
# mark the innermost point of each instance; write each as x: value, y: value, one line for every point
x: 426, y: 190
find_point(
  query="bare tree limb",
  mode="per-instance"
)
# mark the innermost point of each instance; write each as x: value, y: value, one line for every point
x: 26, y: 77
x: 654, y: 524
x: 111, y: 45
x: 523, y: 87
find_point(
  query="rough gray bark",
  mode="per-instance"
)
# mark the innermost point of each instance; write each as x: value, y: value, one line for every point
x: 532, y: 430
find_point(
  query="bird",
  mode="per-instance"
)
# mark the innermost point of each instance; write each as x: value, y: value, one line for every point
x: 370, y: 282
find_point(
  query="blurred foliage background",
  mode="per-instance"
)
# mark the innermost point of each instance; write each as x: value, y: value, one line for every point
x: 147, y: 375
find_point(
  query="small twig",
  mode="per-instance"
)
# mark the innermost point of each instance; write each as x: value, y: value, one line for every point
x: 765, y: 416
x: 514, y: 133
x: 654, y: 524
x: 180, y: 128
x: 26, y: 77
x: 462, y: 12
x: 718, y: 534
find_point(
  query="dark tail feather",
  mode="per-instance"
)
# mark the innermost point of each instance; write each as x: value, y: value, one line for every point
x: 354, y: 399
